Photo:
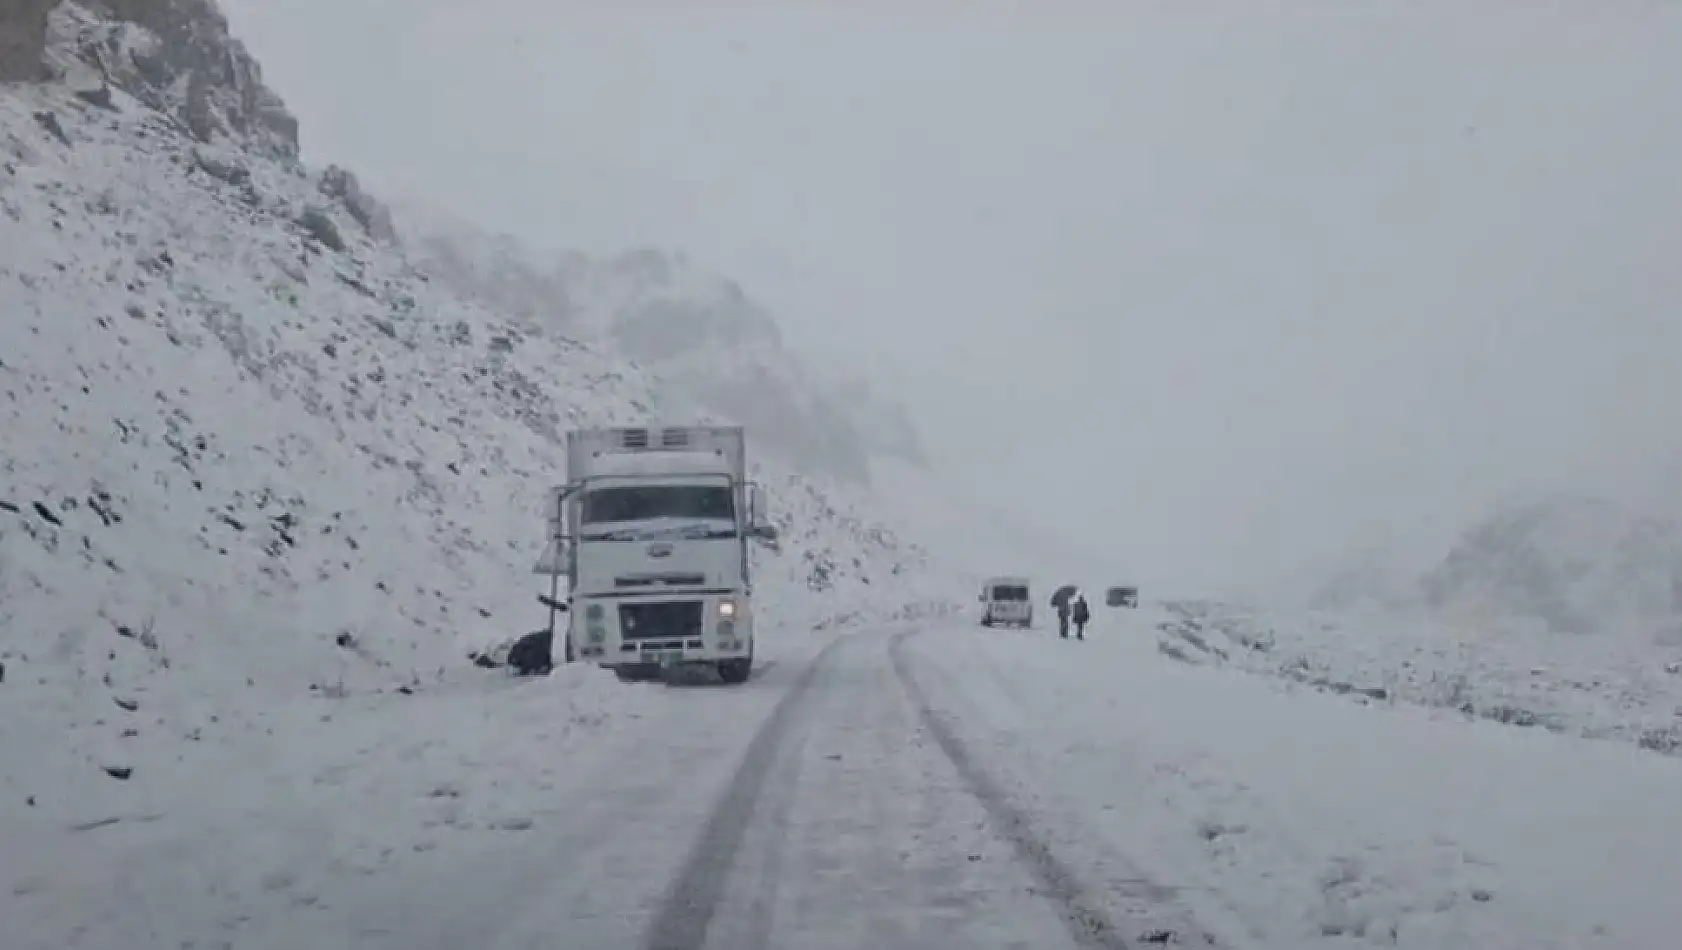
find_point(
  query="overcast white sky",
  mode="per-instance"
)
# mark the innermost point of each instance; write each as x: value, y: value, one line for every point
x: 1223, y: 292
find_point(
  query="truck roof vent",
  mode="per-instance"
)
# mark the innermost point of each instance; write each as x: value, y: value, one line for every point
x: 674, y: 438
x: 634, y: 438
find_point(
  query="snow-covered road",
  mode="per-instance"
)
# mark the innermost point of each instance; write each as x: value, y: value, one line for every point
x: 1285, y: 818
x: 891, y: 788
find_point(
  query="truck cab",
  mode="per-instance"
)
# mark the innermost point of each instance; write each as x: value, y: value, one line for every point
x: 651, y: 532
x: 1005, y: 601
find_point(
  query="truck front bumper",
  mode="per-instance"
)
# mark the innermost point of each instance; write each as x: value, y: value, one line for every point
x: 662, y: 630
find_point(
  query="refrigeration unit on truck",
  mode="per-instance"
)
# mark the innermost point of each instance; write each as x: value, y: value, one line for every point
x: 651, y: 532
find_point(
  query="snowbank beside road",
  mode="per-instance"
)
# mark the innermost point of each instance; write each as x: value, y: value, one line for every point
x: 1625, y: 689
x: 1294, y: 819
x: 320, y: 822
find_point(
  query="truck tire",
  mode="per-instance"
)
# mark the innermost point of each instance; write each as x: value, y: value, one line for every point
x: 735, y: 671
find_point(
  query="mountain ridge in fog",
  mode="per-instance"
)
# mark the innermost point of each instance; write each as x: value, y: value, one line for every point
x: 708, y: 339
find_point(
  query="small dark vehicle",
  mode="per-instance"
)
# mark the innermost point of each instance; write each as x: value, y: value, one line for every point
x: 1122, y: 597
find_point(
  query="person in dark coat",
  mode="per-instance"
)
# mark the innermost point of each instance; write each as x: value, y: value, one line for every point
x: 1062, y: 617
x: 1080, y: 613
x: 533, y: 654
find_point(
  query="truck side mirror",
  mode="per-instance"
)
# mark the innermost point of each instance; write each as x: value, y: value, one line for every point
x: 758, y: 527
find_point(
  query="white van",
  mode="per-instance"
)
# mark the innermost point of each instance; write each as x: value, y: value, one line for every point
x: 1005, y: 601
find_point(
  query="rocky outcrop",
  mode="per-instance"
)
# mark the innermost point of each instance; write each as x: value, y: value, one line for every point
x: 339, y: 184
x: 23, y: 39
x: 1577, y: 565
x: 178, y: 57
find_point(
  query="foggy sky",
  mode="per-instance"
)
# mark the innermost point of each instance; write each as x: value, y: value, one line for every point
x: 1221, y: 293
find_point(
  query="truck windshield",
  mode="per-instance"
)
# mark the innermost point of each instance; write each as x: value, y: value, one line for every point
x: 1010, y: 592
x: 651, y: 502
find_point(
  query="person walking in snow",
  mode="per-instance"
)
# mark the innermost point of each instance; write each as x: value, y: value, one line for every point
x: 1080, y: 613
x: 1062, y: 617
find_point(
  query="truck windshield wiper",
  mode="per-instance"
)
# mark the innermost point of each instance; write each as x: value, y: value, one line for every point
x: 701, y: 532
x: 616, y: 534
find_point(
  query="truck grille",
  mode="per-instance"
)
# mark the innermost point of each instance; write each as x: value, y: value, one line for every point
x: 672, y: 618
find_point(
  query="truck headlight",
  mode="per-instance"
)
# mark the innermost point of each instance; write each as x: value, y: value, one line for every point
x: 727, y: 609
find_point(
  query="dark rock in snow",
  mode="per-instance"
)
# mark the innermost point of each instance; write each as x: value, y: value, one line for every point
x: 47, y: 515
x: 49, y: 121
x: 99, y: 97
x: 119, y: 772
x: 229, y: 171
x: 317, y: 224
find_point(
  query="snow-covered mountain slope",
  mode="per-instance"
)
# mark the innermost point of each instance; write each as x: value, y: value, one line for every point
x: 252, y: 452
x: 1567, y: 564
x: 1572, y: 564
x: 705, y: 338
x: 1562, y: 612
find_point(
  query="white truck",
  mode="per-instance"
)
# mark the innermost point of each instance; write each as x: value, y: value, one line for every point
x: 651, y: 532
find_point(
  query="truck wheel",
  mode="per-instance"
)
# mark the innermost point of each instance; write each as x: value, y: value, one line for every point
x: 735, y: 671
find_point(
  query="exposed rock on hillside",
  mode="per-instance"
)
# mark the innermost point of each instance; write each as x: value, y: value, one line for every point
x: 1577, y: 565
x: 177, y: 57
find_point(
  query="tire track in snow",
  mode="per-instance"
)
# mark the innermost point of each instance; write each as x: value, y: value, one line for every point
x: 1089, y: 923
x: 682, y: 920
